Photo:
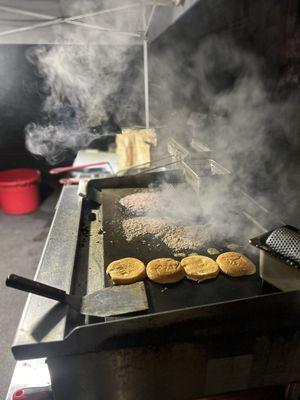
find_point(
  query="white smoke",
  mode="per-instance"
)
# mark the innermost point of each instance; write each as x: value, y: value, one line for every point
x: 83, y: 71
x: 53, y: 141
x: 250, y: 129
x: 247, y: 123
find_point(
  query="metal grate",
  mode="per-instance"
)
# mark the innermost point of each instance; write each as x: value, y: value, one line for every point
x: 286, y: 242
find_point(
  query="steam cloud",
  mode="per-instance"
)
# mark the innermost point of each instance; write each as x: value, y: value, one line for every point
x: 249, y: 123
x: 52, y: 141
x: 84, y: 74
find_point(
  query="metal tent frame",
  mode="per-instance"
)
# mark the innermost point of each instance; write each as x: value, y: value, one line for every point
x: 48, y: 20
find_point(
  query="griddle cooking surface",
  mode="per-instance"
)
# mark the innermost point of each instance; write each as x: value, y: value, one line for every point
x: 173, y: 296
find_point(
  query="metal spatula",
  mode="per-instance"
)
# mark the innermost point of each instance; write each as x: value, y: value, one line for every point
x: 105, y: 302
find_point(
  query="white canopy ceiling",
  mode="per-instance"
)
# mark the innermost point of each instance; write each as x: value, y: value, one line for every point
x: 90, y: 22
x: 110, y: 21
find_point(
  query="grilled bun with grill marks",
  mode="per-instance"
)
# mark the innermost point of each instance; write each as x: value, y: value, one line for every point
x: 199, y: 268
x: 235, y: 264
x: 165, y: 270
x: 126, y: 270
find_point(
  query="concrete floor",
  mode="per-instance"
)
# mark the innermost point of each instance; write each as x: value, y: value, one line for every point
x: 21, y: 243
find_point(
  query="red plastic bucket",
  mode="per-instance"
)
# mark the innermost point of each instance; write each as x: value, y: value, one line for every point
x: 19, y: 193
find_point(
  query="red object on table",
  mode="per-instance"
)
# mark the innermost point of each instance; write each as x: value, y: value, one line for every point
x: 33, y: 393
x: 69, y: 181
x: 19, y: 395
x: 19, y: 192
x: 61, y: 170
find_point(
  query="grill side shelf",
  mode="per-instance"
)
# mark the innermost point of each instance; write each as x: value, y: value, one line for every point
x: 43, y: 320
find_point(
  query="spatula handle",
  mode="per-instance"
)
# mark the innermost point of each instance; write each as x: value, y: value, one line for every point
x: 31, y: 286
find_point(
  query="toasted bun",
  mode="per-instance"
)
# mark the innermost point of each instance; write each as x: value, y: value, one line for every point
x: 235, y: 264
x: 165, y: 270
x: 126, y: 270
x: 199, y: 268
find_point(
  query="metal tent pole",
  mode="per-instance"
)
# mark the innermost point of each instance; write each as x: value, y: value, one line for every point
x: 146, y: 73
x: 146, y: 26
x: 146, y: 80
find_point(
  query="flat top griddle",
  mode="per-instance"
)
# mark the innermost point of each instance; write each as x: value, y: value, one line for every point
x: 173, y: 296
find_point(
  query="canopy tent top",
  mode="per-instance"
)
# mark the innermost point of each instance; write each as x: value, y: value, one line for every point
x: 36, y: 22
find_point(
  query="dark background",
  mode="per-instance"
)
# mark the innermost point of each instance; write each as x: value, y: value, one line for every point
x: 20, y: 103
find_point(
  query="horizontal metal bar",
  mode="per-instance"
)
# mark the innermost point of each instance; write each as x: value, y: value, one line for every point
x: 69, y: 20
x: 73, y: 20
x: 100, y: 28
x: 159, y: 3
x: 32, y: 27
x: 28, y: 13
x: 109, y: 10
x: 61, y: 20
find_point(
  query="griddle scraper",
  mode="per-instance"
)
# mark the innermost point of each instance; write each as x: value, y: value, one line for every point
x: 105, y: 302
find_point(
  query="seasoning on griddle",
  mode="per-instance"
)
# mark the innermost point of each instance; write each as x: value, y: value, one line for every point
x: 233, y: 246
x: 175, y: 237
x: 140, y: 203
x: 179, y: 255
x: 212, y: 251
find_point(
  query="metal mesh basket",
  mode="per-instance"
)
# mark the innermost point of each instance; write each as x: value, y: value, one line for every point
x: 286, y: 242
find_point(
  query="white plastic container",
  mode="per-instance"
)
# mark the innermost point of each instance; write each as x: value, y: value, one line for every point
x: 278, y: 273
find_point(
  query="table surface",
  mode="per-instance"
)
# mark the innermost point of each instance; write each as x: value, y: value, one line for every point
x: 29, y: 373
